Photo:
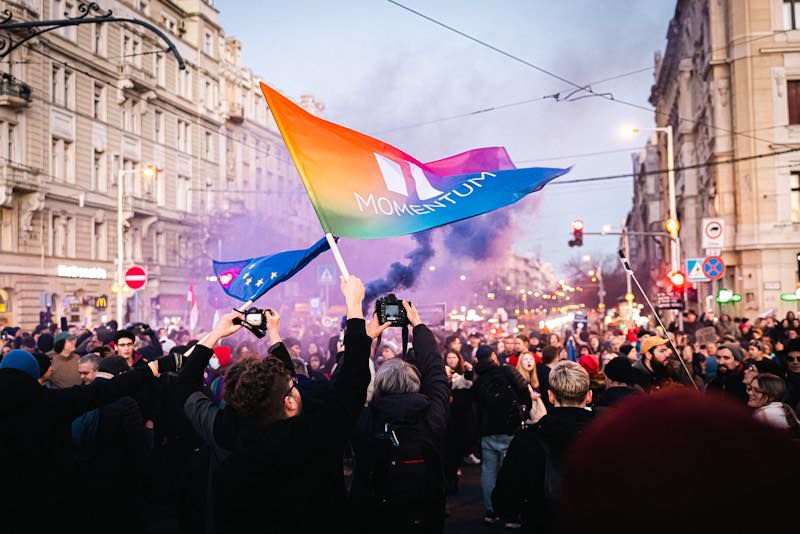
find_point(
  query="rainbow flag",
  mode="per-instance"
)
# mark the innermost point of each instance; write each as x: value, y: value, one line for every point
x: 364, y: 188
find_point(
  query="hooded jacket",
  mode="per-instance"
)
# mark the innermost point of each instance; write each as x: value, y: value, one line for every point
x: 35, y: 442
x: 427, y: 410
x: 488, y: 373
x: 520, y: 488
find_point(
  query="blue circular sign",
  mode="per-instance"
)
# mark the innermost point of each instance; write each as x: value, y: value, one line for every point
x: 713, y: 267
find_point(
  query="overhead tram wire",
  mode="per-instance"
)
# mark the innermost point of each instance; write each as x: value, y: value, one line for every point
x: 554, y: 96
x: 585, y: 88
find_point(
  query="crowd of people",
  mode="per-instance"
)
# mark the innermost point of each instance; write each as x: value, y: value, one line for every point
x: 131, y: 429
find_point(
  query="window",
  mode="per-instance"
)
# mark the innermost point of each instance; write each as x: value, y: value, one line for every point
x: 208, y: 146
x: 62, y: 160
x: 160, y: 246
x: 158, y: 127
x: 160, y: 70
x: 795, y: 195
x: 184, y: 194
x: 791, y: 14
x: 184, y: 136
x: 144, y: 6
x: 99, y: 175
x: 208, y: 44
x: 99, y: 102
x: 208, y: 95
x: 62, y: 87
x: 9, y: 133
x: 131, y: 50
x: 100, y: 38
x: 184, y: 78
x: 58, y: 10
x: 793, y: 96
x: 99, y: 241
x: 160, y: 188
x: 131, y: 118
x: 170, y: 23
x: 7, y: 217
x: 133, y: 180
x: 63, y: 236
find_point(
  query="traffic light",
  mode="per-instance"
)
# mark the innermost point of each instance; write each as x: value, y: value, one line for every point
x: 678, y: 281
x: 577, y: 233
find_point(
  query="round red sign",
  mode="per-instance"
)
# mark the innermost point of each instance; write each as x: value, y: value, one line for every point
x: 135, y: 277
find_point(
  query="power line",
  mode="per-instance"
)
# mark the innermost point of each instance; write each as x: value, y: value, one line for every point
x: 554, y: 96
x: 582, y: 155
x: 677, y: 169
x: 579, y: 88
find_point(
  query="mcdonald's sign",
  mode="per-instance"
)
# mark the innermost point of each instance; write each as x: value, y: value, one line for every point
x: 101, y: 302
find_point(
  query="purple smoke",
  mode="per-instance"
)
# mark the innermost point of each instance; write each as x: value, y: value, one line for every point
x: 402, y: 276
x: 480, y: 237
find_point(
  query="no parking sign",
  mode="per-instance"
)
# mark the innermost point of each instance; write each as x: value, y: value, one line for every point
x: 713, y: 267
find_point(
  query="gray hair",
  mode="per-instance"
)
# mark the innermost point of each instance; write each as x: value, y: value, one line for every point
x: 92, y: 359
x: 396, y: 376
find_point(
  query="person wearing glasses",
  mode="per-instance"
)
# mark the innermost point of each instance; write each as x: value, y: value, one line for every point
x: 274, y: 456
x: 766, y: 393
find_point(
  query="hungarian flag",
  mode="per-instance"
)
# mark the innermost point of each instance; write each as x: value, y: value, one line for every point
x: 192, y: 302
x: 364, y: 188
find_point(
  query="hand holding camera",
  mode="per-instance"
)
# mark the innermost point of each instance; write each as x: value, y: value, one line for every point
x: 375, y: 328
x: 228, y: 324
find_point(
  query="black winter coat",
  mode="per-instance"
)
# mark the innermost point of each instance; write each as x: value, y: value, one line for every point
x: 487, y: 372
x: 730, y: 384
x: 288, y: 475
x: 520, y: 488
x: 427, y: 410
x: 35, y: 445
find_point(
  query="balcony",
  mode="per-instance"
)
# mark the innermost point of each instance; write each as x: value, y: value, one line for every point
x: 140, y: 79
x: 14, y: 93
x: 235, y: 112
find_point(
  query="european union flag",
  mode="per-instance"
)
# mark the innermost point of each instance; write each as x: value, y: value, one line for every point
x: 250, y: 279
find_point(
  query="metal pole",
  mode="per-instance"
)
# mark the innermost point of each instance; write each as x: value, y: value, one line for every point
x: 675, y: 247
x: 120, y: 249
x: 627, y: 266
x: 601, y: 292
x: 626, y: 246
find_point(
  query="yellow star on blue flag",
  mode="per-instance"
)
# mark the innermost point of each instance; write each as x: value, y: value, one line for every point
x: 268, y: 271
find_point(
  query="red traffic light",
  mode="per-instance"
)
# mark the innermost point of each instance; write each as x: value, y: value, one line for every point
x: 577, y: 233
x: 677, y: 279
x: 577, y: 225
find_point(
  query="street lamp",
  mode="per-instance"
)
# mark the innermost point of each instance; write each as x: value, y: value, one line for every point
x: 148, y: 172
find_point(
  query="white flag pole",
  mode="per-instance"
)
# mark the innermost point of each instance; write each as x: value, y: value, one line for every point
x: 337, y: 256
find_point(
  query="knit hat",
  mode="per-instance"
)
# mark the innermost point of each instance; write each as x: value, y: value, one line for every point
x: 63, y: 336
x: 21, y: 360
x: 223, y: 354
x: 652, y: 342
x: 44, y: 362
x: 483, y: 353
x: 736, y: 350
x: 45, y: 342
x: 113, y: 365
x: 625, y: 350
x: 590, y: 363
x: 619, y: 370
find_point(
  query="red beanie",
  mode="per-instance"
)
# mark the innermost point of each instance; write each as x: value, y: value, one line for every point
x: 223, y: 354
x: 590, y: 363
x: 680, y: 462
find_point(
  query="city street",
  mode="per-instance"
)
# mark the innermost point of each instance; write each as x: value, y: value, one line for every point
x: 284, y: 266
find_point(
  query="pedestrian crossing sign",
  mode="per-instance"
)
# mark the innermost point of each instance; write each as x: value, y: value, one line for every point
x: 694, y: 270
x: 325, y: 275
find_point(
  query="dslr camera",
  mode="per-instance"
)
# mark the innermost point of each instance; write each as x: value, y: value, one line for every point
x: 390, y: 309
x: 255, y: 320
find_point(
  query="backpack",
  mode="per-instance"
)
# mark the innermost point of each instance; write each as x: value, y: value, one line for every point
x: 500, y: 403
x: 406, y: 476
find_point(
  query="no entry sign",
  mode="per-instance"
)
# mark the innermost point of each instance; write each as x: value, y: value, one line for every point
x: 135, y: 277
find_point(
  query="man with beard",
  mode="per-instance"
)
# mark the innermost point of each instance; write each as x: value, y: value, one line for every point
x: 651, y: 371
x: 730, y: 373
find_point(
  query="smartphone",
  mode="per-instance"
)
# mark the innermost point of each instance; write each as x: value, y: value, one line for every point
x: 64, y: 325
